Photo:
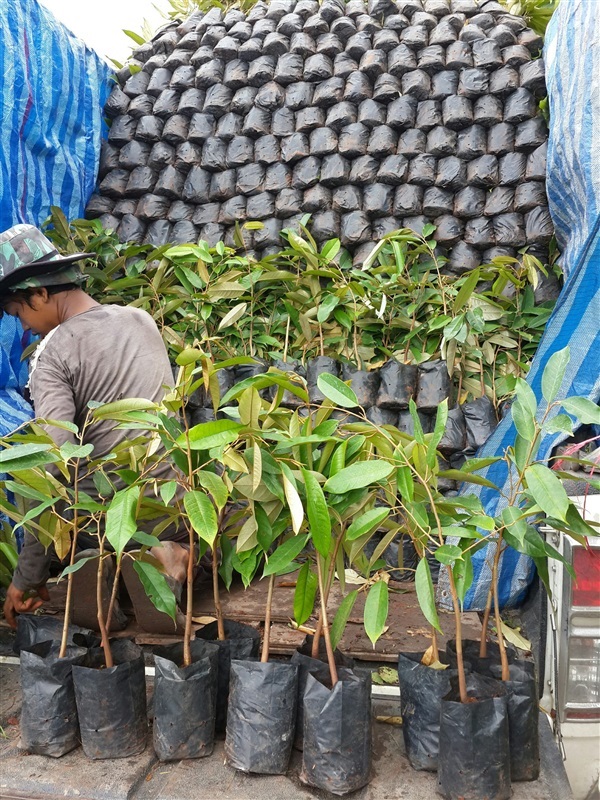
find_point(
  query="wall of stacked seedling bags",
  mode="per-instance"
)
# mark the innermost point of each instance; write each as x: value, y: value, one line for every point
x: 367, y: 116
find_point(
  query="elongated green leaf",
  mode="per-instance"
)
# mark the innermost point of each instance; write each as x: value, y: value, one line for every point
x: 405, y: 482
x: 441, y: 419
x: 547, y: 490
x: 583, y: 409
x: 207, y: 435
x: 167, y: 491
x: 463, y: 576
x: 202, y: 515
x: 524, y: 420
x: 561, y: 423
x: 156, y: 587
x: 294, y: 503
x: 515, y: 521
x: 236, y: 313
x: 214, y: 485
x: 554, y: 373
x: 526, y: 396
x: 285, y: 554
x: 448, y: 553
x: 26, y: 456
x: 108, y: 410
x: 146, y: 539
x: 326, y: 306
x: 466, y: 290
x: 305, y: 593
x: 358, y: 475
x: 426, y: 594
x: 317, y: 512
x: 376, y: 611
x: 9, y: 554
x: 264, y: 530
x: 366, y: 522
x: 341, y: 618
x: 69, y: 450
x: 337, y: 391
x: 76, y: 566
x: 121, y: 518
x: 467, y: 477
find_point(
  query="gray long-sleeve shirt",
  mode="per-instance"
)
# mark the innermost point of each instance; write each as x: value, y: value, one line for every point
x: 104, y: 354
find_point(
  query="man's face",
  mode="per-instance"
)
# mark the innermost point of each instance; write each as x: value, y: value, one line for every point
x: 39, y: 315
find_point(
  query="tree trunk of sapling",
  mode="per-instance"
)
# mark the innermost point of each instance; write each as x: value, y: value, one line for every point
x: 216, y: 596
x: 460, y: 666
x: 108, y: 659
x: 486, y: 621
x: 267, y: 634
x: 325, y: 626
x: 503, y: 656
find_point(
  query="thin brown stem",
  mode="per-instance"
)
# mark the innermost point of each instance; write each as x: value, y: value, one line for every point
x: 67, y: 620
x: 328, y: 647
x: 434, y: 645
x: 267, y: 634
x: 113, y: 594
x: 503, y: 656
x: 216, y: 596
x: 187, y: 636
x: 108, y: 659
x: 484, y: 630
x: 460, y: 666
x: 328, y: 583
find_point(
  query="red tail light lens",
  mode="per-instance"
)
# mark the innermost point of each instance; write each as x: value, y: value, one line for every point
x: 586, y: 589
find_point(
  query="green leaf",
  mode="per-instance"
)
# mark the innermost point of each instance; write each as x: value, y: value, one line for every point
x: 547, y: 490
x: 119, y: 407
x: 76, y: 566
x: 285, y: 554
x: 358, y: 475
x: 515, y: 521
x: 463, y: 576
x: 215, y: 486
x: 69, y: 450
x: 146, y: 539
x: 135, y: 36
x: 365, y: 523
x: 466, y: 290
x: 236, y: 313
x: 226, y: 566
x: 156, y: 587
x: 317, y: 512
x: 341, y: 618
x: 294, y: 503
x: 202, y: 515
x: 554, y: 373
x: 337, y: 391
x: 121, y: 521
x: 167, y: 491
x: 524, y: 420
x: 406, y: 486
x: 207, y: 435
x: 26, y: 456
x: 561, y: 423
x: 583, y: 409
x: 326, y: 306
x: 448, y: 554
x: 466, y: 477
x: 376, y: 611
x: 305, y: 593
x: 426, y: 594
x: 441, y: 418
x: 264, y: 530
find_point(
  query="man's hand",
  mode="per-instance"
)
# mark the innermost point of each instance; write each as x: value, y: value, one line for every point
x: 16, y: 603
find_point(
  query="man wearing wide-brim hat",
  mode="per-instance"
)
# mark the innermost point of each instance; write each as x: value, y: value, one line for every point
x: 89, y: 352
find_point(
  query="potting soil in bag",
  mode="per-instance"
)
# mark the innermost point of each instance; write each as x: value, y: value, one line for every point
x: 481, y: 665
x: 337, y: 733
x: 111, y: 702
x: 523, y: 719
x: 318, y: 667
x: 185, y: 701
x: 49, y: 724
x: 33, y: 629
x: 261, y: 716
x: 421, y: 692
x: 474, y: 758
x: 242, y: 642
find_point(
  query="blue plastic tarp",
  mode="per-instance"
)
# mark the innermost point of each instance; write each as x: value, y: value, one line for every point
x: 572, y: 59
x: 52, y: 92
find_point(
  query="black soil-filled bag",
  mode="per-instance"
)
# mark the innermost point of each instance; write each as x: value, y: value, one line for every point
x: 242, y: 642
x: 421, y: 692
x: 483, y: 666
x: 474, y: 758
x: 307, y: 665
x: 33, y: 629
x: 185, y: 701
x: 49, y: 724
x: 337, y: 733
x: 111, y: 702
x: 523, y: 719
x: 261, y: 716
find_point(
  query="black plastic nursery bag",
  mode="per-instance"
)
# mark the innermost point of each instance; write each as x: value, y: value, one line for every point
x: 185, y: 701
x: 242, y: 642
x: 49, y: 724
x: 523, y: 719
x: 474, y: 758
x: 111, y: 702
x: 421, y: 692
x: 261, y: 717
x: 337, y: 733
x: 33, y: 629
x: 485, y: 665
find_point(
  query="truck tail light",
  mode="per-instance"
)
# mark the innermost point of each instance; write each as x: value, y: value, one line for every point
x: 583, y: 683
x: 586, y: 589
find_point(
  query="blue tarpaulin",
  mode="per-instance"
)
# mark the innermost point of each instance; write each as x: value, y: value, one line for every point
x: 572, y: 58
x: 52, y: 92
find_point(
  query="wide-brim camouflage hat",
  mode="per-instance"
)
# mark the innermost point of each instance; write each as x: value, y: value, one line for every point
x: 25, y: 253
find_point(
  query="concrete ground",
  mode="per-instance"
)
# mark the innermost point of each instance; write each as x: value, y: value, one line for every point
x: 34, y: 777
